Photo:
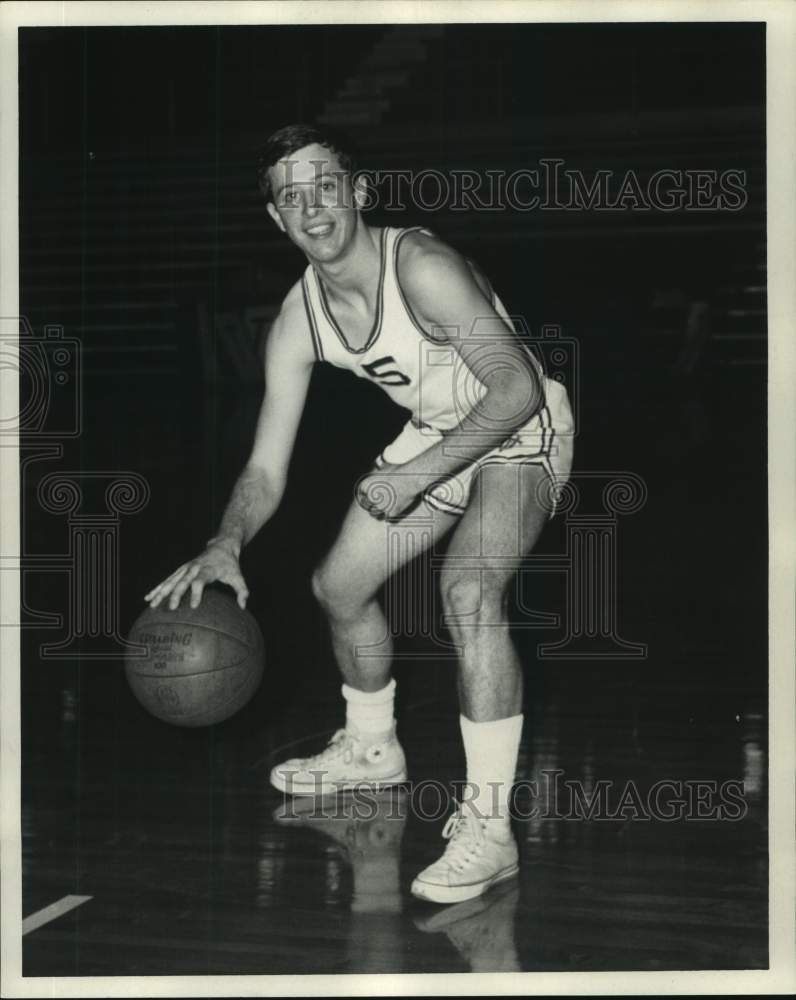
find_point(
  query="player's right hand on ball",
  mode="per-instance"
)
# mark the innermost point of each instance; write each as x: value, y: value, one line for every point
x: 216, y: 563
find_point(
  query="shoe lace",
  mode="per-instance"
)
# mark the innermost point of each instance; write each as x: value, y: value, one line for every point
x: 340, y: 745
x: 465, y: 833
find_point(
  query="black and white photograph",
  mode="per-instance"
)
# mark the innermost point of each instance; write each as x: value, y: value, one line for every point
x: 397, y: 441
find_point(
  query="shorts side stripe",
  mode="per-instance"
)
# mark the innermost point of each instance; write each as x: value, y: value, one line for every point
x: 442, y: 505
x: 546, y: 421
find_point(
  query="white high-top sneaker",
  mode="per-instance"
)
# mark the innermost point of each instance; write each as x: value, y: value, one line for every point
x: 480, y: 853
x: 348, y: 761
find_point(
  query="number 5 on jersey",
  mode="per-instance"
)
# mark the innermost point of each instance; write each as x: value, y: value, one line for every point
x: 392, y: 376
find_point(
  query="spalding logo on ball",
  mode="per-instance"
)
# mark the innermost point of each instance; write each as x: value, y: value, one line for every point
x: 199, y: 665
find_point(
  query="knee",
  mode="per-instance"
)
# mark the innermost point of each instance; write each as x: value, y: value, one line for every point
x: 334, y: 594
x: 323, y: 586
x: 474, y: 596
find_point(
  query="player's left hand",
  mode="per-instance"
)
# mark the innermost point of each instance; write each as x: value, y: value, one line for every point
x: 389, y: 492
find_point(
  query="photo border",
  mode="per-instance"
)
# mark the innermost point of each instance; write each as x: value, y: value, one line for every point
x: 780, y: 18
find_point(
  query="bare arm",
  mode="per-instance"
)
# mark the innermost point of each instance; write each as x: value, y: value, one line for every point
x: 260, y: 486
x: 452, y: 304
x: 445, y: 295
x: 253, y: 501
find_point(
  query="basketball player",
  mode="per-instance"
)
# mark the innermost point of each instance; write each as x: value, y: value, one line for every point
x: 486, y: 438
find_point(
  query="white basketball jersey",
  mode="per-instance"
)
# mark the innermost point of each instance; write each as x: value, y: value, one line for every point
x: 428, y: 378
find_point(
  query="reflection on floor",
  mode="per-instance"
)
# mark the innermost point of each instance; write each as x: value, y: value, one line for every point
x: 641, y: 801
x: 196, y: 866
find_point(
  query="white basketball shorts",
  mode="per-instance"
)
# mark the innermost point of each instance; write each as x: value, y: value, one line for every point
x: 546, y: 440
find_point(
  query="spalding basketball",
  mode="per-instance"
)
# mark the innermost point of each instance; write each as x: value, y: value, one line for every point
x: 198, y: 665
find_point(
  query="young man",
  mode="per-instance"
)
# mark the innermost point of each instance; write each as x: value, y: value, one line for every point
x: 487, y: 437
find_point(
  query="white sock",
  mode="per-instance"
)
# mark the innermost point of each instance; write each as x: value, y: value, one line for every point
x: 491, y: 749
x: 370, y: 713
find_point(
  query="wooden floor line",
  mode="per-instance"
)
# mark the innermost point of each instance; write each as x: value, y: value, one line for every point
x: 52, y: 912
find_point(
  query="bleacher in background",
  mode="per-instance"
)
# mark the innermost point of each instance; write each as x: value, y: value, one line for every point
x: 140, y: 211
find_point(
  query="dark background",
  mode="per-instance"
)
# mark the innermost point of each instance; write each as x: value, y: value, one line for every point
x: 143, y: 234
x: 140, y: 215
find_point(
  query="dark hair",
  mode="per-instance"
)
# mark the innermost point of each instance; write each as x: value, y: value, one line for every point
x: 291, y: 138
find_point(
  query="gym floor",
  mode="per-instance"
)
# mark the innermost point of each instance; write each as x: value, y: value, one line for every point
x: 188, y: 862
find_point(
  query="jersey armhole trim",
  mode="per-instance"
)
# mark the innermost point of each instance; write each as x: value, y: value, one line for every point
x: 493, y: 299
x: 415, y: 322
x: 316, y: 339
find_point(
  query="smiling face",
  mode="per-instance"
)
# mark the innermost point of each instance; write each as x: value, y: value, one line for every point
x: 314, y: 202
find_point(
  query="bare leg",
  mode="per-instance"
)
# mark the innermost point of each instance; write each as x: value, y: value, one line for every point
x: 502, y: 523
x: 364, y: 555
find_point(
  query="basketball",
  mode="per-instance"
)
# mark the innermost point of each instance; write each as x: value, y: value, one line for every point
x: 198, y: 666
